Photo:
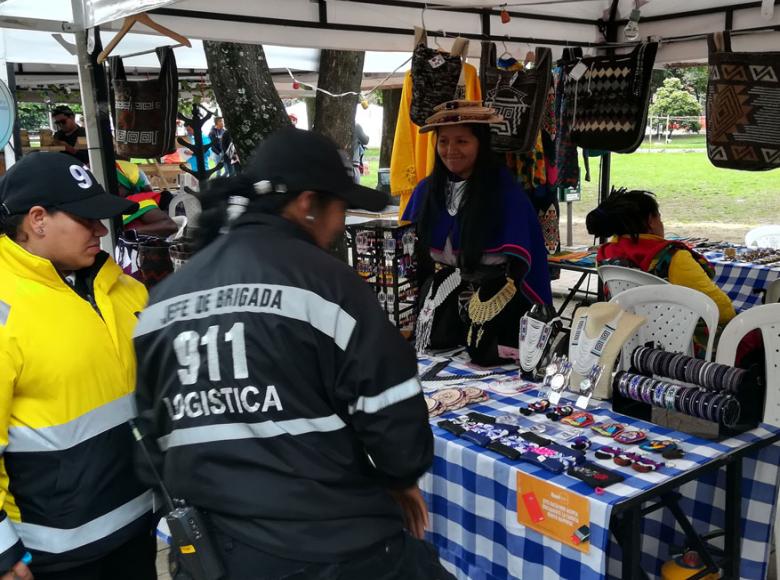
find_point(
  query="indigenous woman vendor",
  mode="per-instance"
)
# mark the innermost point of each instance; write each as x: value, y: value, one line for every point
x: 633, y: 221
x: 482, y: 234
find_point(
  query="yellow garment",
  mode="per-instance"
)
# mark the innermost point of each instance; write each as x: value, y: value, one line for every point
x: 67, y: 378
x: 413, y: 152
x: 686, y: 271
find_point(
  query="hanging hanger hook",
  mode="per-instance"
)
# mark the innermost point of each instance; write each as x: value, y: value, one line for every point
x: 436, y: 38
x: 422, y: 15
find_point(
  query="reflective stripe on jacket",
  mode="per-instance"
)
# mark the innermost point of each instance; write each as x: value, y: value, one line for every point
x: 67, y: 376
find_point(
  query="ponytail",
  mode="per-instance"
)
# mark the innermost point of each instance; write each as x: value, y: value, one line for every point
x: 623, y: 213
x: 225, y: 199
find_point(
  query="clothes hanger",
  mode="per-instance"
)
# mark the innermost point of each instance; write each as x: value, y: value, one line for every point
x: 143, y: 18
x: 506, y: 53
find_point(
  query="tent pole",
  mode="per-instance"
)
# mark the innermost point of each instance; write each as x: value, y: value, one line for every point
x: 94, y: 100
x: 13, y: 151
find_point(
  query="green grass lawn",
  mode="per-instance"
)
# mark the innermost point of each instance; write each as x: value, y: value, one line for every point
x: 677, y: 142
x: 372, y: 156
x: 691, y: 190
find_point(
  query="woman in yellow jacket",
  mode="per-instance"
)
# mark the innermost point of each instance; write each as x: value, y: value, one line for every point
x: 633, y: 221
x: 69, y: 498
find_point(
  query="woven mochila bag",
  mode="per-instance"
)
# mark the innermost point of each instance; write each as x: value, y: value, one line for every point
x: 743, y: 107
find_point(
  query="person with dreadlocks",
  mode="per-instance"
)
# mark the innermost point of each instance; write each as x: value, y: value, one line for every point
x: 477, y: 225
x: 148, y: 219
x: 632, y: 221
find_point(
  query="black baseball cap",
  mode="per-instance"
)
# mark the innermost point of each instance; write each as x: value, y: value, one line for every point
x: 306, y: 161
x: 59, y: 181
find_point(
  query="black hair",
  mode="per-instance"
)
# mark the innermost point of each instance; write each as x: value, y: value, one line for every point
x: 480, y: 205
x: 62, y: 110
x: 215, y: 202
x: 623, y: 213
x: 11, y: 225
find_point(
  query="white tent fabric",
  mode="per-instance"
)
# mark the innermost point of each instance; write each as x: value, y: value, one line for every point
x: 386, y: 25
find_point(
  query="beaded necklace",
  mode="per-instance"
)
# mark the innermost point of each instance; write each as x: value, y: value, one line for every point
x: 481, y: 312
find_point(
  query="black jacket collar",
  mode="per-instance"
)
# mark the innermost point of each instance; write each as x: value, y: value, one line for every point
x: 278, y: 223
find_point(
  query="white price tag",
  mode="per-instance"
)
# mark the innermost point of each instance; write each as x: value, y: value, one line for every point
x: 768, y: 9
x: 582, y: 402
x: 579, y: 69
x: 436, y: 61
x: 555, y: 398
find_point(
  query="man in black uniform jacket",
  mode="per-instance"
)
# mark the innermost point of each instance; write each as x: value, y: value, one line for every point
x: 285, y: 405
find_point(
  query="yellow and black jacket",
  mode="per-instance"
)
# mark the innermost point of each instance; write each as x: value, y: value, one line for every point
x: 67, y: 376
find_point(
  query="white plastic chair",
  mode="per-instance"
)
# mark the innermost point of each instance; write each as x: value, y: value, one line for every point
x: 767, y: 319
x: 772, y: 292
x: 181, y: 222
x: 191, y: 204
x: 672, y: 313
x: 763, y: 237
x: 619, y: 278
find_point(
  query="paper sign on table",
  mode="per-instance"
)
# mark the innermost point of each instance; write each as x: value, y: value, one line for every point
x: 553, y: 511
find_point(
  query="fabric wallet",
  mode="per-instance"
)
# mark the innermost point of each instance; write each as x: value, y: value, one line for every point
x: 609, y: 102
x: 594, y: 475
x: 743, y: 107
x: 484, y: 433
x: 555, y: 458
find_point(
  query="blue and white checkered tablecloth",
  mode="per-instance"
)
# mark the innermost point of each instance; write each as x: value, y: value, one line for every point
x: 472, y: 496
x: 739, y: 279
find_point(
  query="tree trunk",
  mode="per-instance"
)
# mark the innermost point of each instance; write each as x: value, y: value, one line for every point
x: 341, y: 71
x: 310, y: 110
x: 245, y: 92
x: 391, y: 102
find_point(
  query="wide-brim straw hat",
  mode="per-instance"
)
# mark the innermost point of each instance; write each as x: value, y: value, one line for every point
x: 460, y: 112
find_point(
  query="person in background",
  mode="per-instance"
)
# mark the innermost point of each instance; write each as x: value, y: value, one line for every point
x: 302, y: 432
x: 68, y: 132
x: 148, y: 219
x: 193, y: 160
x: 632, y: 221
x: 232, y: 162
x: 215, y: 136
x: 68, y: 491
x: 359, y: 142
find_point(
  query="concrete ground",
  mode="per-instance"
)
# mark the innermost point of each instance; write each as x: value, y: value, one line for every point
x: 560, y: 290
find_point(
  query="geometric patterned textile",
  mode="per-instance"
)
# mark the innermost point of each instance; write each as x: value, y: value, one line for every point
x: 520, y: 97
x: 145, y: 111
x: 434, y: 80
x: 608, y: 103
x: 743, y: 107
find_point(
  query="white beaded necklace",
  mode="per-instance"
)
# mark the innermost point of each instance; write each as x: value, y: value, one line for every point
x: 584, y: 352
x: 433, y: 300
x: 534, y: 335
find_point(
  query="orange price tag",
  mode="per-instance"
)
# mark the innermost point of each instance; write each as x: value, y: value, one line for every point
x: 553, y: 511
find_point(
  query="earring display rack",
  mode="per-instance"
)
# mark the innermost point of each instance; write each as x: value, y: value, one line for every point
x: 382, y: 253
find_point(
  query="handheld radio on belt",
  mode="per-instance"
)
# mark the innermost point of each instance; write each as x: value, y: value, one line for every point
x: 189, y: 536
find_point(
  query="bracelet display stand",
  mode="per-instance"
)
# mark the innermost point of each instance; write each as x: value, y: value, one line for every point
x: 732, y: 398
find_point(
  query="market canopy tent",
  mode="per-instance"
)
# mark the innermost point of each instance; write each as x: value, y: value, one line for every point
x: 386, y: 25
x: 41, y: 60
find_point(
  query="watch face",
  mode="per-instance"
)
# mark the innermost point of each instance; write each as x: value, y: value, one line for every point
x: 551, y: 369
x: 557, y: 382
x: 586, y: 385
